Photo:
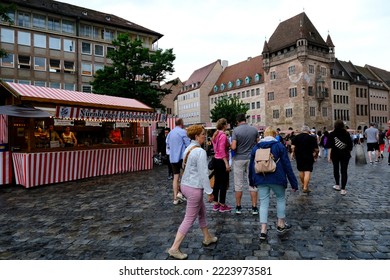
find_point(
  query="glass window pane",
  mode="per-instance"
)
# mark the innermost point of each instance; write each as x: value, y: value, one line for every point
x: 99, y: 50
x: 54, y: 24
x: 85, y: 30
x: 68, y: 45
x: 85, y: 48
x: 40, y: 83
x: 54, y: 43
x: 69, y: 86
x: 8, y: 61
x: 7, y: 35
x: 24, y: 38
x: 24, y: 19
x: 40, y: 63
x: 86, y: 69
x: 40, y: 41
x: 39, y: 21
x: 67, y: 26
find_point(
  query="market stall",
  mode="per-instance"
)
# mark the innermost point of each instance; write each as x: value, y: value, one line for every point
x: 42, y: 151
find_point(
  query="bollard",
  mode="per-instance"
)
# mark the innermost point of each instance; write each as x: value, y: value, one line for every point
x: 360, y: 155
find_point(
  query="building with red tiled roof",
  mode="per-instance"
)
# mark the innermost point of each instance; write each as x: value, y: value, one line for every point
x: 193, y: 99
x: 244, y: 80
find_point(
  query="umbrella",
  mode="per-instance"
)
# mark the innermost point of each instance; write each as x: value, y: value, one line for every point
x: 24, y: 111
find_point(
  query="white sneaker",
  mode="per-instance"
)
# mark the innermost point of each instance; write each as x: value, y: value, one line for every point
x: 181, y: 197
x: 177, y: 201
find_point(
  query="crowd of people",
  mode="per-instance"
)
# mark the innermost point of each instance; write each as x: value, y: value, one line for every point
x: 238, y: 154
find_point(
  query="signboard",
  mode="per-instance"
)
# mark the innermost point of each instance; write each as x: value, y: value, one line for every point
x: 92, y: 123
x: 59, y: 122
x: 145, y: 124
x: 122, y: 124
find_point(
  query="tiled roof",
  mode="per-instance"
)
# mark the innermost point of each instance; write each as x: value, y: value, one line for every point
x: 198, y: 77
x: 382, y: 74
x: 289, y: 31
x: 241, y: 70
x: 68, y: 97
x: 329, y: 41
x: 83, y: 14
x: 366, y: 73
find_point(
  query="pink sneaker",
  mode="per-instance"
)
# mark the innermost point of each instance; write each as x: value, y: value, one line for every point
x: 216, y: 207
x: 224, y: 208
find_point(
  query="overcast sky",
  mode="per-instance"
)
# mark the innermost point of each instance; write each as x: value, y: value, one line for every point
x: 202, y: 31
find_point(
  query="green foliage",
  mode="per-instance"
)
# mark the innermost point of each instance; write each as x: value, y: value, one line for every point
x: 228, y: 108
x: 5, y: 18
x: 135, y: 73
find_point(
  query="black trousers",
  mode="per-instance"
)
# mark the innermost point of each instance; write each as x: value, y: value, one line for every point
x: 221, y: 181
x: 341, y: 165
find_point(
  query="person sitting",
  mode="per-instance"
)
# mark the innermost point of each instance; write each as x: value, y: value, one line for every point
x: 115, y: 136
x: 69, y: 138
x: 52, y: 135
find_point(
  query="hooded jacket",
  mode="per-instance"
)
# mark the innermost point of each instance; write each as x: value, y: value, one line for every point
x: 283, y: 166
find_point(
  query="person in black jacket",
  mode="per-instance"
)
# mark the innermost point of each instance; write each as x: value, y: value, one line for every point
x: 339, y: 153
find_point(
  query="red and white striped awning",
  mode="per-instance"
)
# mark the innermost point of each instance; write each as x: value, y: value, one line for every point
x: 75, y: 98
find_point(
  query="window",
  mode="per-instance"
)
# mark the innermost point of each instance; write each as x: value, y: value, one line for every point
x: 312, y: 111
x: 55, y: 43
x: 289, y: 113
x: 55, y: 65
x: 40, y: 83
x: 230, y: 84
x: 99, y: 50
x: 215, y: 88
x: 110, y: 49
x: 222, y: 86
x: 24, y: 82
x: 323, y: 71
x: 86, y: 48
x: 8, y: 61
x: 40, y: 63
x: 292, y: 92
x: 68, y: 67
x: 253, y: 105
x: 67, y: 26
x: 7, y: 35
x: 252, y: 92
x: 86, y: 68
x: 39, y: 21
x: 310, y: 91
x: 97, y: 67
x: 69, y: 86
x: 275, y: 114
x: 108, y: 35
x: 10, y: 14
x: 248, y: 80
x: 85, y: 31
x: 40, y: 41
x: 24, y: 19
x: 258, y: 105
x: 271, y: 96
x: 247, y: 93
x: 257, y: 78
x: 55, y: 85
x: 68, y: 45
x: 258, y: 118
x: 86, y: 88
x: 311, y: 69
x: 291, y: 70
x: 257, y: 91
x: 24, y: 62
x: 24, y: 38
x: 54, y: 24
x: 324, y: 111
x: 238, y: 82
x: 273, y: 75
x: 97, y: 33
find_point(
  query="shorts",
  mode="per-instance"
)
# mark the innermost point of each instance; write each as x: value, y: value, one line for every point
x: 240, y: 173
x: 372, y: 147
x: 177, y: 166
x: 304, y: 165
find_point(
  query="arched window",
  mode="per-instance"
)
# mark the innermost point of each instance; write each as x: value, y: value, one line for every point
x: 230, y: 84
x: 215, y: 88
x: 248, y: 80
x: 238, y: 82
x: 257, y: 77
x: 222, y: 86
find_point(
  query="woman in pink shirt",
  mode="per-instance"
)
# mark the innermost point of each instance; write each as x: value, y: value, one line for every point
x: 222, y: 168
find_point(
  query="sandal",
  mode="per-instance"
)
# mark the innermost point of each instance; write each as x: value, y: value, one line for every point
x: 336, y: 188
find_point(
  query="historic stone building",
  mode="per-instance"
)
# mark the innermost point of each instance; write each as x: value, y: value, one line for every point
x: 59, y: 45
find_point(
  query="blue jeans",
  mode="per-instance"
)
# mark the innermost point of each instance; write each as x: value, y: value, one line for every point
x: 264, y: 193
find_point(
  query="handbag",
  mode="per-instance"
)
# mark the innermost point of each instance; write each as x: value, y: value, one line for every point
x: 211, y: 164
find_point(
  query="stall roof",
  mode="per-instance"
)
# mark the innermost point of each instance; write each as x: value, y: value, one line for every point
x: 67, y: 97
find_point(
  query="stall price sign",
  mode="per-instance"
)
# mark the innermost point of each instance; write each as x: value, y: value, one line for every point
x: 60, y: 122
x: 92, y: 123
x: 122, y: 124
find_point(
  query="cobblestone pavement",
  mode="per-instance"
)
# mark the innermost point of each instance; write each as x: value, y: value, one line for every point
x: 131, y: 216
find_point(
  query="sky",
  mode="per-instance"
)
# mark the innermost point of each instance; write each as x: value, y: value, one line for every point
x: 203, y: 31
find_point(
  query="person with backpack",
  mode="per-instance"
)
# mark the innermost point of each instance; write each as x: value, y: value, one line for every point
x: 275, y: 181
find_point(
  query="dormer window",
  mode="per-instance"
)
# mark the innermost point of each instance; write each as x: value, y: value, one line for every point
x: 85, y: 13
x: 108, y: 18
x: 215, y: 88
x: 230, y: 84
x: 238, y: 82
x: 257, y: 77
x: 248, y: 80
x: 222, y: 86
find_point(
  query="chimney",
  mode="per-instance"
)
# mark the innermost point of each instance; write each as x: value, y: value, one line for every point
x: 224, y: 64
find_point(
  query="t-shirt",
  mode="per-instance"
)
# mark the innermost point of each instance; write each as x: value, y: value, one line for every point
x: 246, y: 137
x: 371, y: 134
x: 305, y: 145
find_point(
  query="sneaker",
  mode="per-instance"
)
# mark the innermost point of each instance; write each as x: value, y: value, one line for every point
x: 177, y: 201
x: 181, y: 197
x: 263, y: 236
x: 343, y: 192
x: 177, y: 254
x: 238, y: 210
x: 210, y: 241
x: 336, y: 188
x: 284, y: 229
x: 224, y: 208
x: 255, y: 211
x: 216, y: 207
x: 170, y: 177
x: 371, y: 162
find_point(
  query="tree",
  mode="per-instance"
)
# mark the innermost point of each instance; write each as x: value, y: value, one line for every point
x: 5, y: 18
x: 228, y: 108
x: 135, y: 73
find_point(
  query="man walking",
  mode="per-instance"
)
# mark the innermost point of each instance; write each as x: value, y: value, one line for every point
x: 304, y: 148
x: 177, y: 141
x: 372, y: 135
x: 243, y: 139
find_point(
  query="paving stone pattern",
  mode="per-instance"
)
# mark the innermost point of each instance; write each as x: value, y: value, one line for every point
x: 131, y: 216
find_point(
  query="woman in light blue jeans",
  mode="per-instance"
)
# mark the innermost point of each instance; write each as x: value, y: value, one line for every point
x: 264, y: 193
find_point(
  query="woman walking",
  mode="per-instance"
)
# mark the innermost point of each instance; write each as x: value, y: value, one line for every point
x: 194, y: 182
x: 276, y: 181
x: 340, y: 147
